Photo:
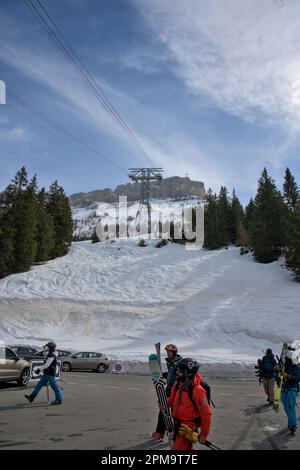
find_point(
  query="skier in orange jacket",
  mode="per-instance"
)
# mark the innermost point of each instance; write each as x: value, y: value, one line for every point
x: 190, y: 406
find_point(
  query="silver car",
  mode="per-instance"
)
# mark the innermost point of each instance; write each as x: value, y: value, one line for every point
x: 86, y: 361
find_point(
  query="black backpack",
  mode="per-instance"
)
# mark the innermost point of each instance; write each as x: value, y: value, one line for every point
x: 207, y: 389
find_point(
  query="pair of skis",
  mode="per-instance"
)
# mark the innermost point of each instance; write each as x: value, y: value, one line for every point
x: 159, y: 384
x: 279, y: 382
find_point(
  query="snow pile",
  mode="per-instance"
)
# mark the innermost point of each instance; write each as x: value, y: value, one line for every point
x: 217, y: 306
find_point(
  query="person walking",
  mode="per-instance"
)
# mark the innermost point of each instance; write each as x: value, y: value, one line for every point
x: 289, y: 392
x: 268, y: 371
x: 190, y: 406
x: 49, y: 372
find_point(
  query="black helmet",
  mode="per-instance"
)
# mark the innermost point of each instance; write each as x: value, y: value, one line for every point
x: 187, y: 365
x: 51, y: 346
x: 269, y: 352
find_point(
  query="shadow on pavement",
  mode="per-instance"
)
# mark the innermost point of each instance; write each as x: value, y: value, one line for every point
x: 150, y: 444
x: 277, y: 441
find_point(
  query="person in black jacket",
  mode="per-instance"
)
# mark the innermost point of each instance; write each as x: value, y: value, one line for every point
x: 49, y: 372
x: 268, y: 374
x: 170, y: 376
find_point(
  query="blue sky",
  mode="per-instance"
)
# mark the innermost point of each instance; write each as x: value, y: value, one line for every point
x: 209, y: 88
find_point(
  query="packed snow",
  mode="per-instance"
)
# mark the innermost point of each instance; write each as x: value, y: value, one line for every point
x: 117, y: 297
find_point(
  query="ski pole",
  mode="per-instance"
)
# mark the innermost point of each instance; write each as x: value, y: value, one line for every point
x: 211, y: 445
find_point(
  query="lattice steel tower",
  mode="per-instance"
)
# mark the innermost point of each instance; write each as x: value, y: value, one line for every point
x: 148, y: 178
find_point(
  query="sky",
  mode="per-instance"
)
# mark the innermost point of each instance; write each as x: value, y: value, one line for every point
x: 209, y: 89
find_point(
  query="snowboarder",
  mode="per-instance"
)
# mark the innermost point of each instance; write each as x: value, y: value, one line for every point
x: 170, y: 376
x: 49, y: 370
x: 268, y: 374
x: 190, y: 406
x: 290, y: 390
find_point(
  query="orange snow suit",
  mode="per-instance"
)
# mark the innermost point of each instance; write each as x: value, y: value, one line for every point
x: 185, y: 412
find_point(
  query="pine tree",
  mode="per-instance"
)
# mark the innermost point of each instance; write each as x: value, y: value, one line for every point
x: 267, y: 230
x: 45, y: 229
x: 237, y: 230
x: 293, y: 250
x: 20, y: 181
x: 290, y: 191
x: 223, y: 217
x: 211, y: 235
x: 25, y: 222
x: 6, y: 236
x: 59, y: 208
x: 249, y: 215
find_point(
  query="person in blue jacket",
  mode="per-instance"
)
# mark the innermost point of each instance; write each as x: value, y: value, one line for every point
x: 289, y: 393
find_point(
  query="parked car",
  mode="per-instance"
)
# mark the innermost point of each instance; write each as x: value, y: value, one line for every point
x: 86, y: 361
x: 12, y: 368
x: 60, y: 354
x: 23, y: 350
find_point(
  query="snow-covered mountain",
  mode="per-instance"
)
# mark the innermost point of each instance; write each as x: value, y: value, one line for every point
x: 120, y: 298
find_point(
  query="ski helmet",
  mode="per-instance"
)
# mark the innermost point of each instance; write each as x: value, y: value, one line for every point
x: 188, y: 366
x: 293, y: 352
x: 51, y: 346
x: 269, y: 352
x: 171, y: 347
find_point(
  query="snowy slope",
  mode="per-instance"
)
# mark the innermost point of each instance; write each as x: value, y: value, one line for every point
x: 216, y: 305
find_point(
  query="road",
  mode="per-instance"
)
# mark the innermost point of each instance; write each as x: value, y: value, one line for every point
x: 119, y: 412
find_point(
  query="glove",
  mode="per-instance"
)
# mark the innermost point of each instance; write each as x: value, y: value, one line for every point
x: 278, y: 381
x: 188, y: 433
x: 202, y: 440
x: 37, y: 371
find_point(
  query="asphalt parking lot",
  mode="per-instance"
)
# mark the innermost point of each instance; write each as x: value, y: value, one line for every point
x: 117, y: 412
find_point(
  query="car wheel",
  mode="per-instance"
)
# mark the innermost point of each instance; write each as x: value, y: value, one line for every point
x: 66, y: 367
x: 24, y: 379
x: 101, y: 369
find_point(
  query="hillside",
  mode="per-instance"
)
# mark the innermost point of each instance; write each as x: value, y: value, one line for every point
x: 217, y: 305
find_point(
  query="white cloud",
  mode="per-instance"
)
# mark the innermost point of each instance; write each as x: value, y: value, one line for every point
x: 242, y: 56
x: 16, y: 134
x: 143, y: 59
